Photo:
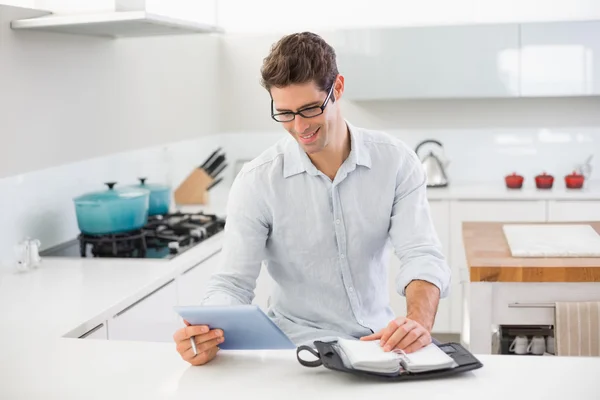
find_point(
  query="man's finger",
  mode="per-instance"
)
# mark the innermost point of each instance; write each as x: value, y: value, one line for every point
x: 189, y: 331
x: 391, y: 328
x: 398, y: 335
x: 373, y: 336
x: 202, y: 357
x: 207, y: 337
x: 423, y: 341
x: 411, y: 337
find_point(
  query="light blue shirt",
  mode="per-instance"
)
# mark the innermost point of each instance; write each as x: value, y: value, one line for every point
x: 326, y: 242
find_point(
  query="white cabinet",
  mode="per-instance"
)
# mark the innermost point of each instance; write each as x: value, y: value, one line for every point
x: 429, y: 62
x: 441, y: 219
x: 482, y: 211
x: 192, y: 284
x: 150, y: 318
x: 573, y: 210
x: 560, y: 58
x: 99, y: 332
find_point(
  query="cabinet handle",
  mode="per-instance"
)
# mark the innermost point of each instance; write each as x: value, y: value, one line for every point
x: 123, y: 311
x: 88, y: 333
x: 201, y: 262
x: 191, y: 268
x: 531, y: 305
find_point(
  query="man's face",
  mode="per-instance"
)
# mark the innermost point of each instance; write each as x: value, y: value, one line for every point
x: 313, y: 134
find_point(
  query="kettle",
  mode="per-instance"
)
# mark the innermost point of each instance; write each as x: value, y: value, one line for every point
x: 435, y: 168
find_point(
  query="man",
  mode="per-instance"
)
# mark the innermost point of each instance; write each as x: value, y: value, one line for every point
x: 320, y: 206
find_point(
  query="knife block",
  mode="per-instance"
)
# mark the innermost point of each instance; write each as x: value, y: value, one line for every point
x: 193, y: 189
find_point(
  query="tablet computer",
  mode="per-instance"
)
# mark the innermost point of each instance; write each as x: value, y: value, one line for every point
x: 245, y: 327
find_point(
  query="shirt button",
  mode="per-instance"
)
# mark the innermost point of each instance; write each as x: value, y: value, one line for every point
x: 342, y: 256
x: 337, y: 221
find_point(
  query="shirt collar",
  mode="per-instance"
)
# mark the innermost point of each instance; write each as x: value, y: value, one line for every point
x: 296, y: 161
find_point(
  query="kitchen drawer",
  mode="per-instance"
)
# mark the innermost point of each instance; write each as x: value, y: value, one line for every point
x: 192, y: 284
x: 150, y: 318
x: 569, y: 210
x: 527, y: 303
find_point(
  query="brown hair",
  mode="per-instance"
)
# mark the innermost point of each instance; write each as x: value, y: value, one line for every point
x: 300, y: 58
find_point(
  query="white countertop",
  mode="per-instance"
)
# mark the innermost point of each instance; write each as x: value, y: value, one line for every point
x: 455, y: 191
x: 42, y: 313
x: 485, y: 191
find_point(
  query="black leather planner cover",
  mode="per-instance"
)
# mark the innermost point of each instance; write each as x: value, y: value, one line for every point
x: 328, y: 356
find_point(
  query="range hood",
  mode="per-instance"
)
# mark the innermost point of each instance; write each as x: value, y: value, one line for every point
x: 127, y: 21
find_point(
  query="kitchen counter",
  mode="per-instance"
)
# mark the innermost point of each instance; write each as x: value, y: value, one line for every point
x: 489, y: 259
x: 506, y: 290
x: 44, y: 311
x: 68, y: 297
x: 455, y: 191
x: 486, y: 191
x: 81, y: 369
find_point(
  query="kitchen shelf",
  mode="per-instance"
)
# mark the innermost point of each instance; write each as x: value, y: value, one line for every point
x: 114, y: 25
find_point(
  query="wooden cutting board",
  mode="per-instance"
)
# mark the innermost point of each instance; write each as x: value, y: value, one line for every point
x: 559, y: 240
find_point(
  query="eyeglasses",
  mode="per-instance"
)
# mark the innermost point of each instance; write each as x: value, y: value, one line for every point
x: 309, y: 112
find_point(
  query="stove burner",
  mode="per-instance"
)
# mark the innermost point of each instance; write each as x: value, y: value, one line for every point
x: 128, y: 244
x: 161, y: 236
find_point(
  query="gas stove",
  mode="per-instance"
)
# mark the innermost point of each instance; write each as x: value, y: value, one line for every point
x: 163, y: 237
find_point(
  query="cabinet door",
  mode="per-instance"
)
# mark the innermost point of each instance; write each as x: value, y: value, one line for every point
x: 429, y: 62
x: 560, y: 58
x: 484, y: 211
x: 192, y: 284
x: 568, y: 210
x: 441, y: 220
x: 149, y: 319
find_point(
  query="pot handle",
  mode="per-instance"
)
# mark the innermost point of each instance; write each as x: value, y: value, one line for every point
x: 110, y: 185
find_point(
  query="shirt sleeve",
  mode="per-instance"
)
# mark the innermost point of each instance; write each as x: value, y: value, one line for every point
x: 412, y: 232
x: 245, y: 235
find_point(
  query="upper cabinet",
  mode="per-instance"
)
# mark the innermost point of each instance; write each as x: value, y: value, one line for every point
x: 473, y: 61
x: 560, y: 59
x: 123, y: 18
x: 429, y: 62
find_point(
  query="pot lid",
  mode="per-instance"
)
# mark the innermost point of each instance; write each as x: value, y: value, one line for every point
x: 151, y: 186
x: 112, y: 194
x: 575, y: 174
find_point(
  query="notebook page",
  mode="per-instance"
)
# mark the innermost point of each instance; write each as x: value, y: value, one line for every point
x: 369, y: 355
x: 428, y: 358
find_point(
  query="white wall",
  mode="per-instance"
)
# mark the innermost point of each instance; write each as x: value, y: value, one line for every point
x: 66, y: 98
x: 275, y: 15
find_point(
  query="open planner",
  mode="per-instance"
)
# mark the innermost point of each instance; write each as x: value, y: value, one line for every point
x: 369, y: 358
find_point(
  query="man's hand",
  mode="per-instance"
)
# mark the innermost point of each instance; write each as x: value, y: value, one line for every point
x: 207, y: 342
x: 402, y: 333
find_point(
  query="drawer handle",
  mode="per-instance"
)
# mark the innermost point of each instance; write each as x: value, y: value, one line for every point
x: 531, y: 305
x: 88, y: 333
x: 142, y: 299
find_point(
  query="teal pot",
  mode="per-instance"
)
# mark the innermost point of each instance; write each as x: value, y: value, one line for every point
x: 160, y: 197
x: 112, y: 211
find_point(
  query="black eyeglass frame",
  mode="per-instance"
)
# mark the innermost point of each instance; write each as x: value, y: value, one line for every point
x: 299, y: 112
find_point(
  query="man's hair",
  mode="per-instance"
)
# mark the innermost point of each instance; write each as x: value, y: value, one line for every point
x: 297, y: 59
